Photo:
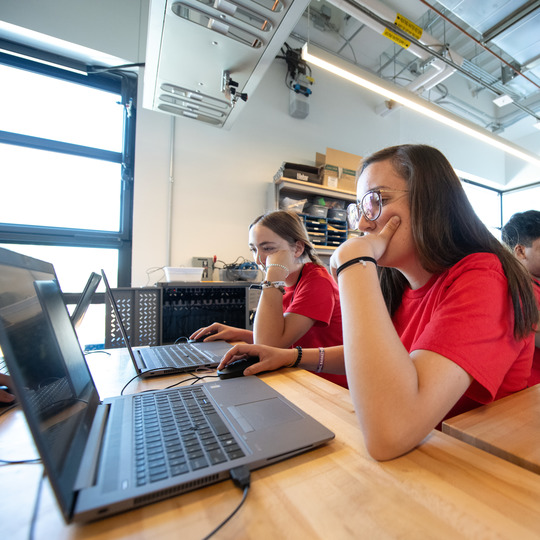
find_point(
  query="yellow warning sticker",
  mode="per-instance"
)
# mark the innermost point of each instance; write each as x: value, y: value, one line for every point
x: 408, y: 26
x: 396, y: 39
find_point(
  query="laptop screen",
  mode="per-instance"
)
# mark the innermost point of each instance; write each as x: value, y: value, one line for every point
x: 52, y: 381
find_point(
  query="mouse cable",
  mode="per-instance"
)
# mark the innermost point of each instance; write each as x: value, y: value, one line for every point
x: 36, y: 506
x: 241, y: 478
x: 32, y: 461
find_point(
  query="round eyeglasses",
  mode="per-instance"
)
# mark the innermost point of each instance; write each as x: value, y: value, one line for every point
x: 370, y: 206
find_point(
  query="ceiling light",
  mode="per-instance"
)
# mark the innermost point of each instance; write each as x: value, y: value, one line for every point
x: 362, y: 78
x: 537, y: 125
x: 500, y: 101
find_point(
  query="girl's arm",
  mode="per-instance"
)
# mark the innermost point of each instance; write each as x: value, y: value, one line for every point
x: 398, y: 398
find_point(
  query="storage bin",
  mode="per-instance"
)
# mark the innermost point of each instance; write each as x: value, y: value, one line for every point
x: 183, y: 273
x: 337, y: 213
x: 316, y: 210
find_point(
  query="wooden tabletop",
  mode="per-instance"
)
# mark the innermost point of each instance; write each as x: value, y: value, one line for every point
x: 508, y: 428
x: 444, y: 489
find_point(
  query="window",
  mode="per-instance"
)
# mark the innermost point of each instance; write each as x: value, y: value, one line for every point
x: 520, y: 200
x: 496, y: 207
x: 66, y: 168
x: 487, y: 205
x: 66, y: 175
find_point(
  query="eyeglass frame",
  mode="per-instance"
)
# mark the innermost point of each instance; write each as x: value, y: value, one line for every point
x: 359, y: 205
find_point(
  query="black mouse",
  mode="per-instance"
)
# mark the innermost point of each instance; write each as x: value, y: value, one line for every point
x: 236, y: 368
x: 201, y: 338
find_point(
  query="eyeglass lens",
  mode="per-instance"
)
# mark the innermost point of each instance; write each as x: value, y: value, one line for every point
x: 371, y: 205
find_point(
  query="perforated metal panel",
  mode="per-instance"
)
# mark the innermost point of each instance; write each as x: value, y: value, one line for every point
x: 140, y: 310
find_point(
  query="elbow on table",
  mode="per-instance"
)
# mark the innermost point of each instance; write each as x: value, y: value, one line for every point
x: 386, y: 445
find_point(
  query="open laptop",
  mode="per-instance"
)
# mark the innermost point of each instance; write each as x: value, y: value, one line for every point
x: 159, y: 360
x: 85, y: 299
x: 95, y: 452
x: 37, y: 269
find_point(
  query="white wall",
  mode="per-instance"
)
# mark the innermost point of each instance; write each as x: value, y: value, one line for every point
x: 221, y: 178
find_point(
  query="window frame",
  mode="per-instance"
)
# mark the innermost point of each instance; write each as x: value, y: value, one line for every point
x: 123, y: 83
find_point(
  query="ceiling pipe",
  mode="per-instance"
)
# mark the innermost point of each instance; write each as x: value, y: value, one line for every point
x: 438, y: 70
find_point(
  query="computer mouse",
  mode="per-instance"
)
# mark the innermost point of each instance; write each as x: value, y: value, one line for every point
x: 236, y: 368
x: 201, y: 338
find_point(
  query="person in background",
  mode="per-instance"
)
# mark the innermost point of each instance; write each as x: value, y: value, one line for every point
x: 522, y: 235
x: 438, y: 316
x: 299, y: 304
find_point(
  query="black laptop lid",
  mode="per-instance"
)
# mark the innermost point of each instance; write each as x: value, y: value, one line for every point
x: 51, y: 379
x: 85, y: 299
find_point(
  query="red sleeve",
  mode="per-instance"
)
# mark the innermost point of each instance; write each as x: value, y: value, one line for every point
x: 473, y: 325
x: 314, y: 297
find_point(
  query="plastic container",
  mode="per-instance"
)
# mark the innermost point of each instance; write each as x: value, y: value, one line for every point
x: 183, y: 273
x: 316, y: 210
x: 337, y: 213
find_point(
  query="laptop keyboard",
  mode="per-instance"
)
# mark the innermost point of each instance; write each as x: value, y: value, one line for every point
x: 177, y: 432
x: 180, y: 356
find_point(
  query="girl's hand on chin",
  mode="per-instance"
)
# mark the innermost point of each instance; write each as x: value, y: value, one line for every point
x: 370, y: 245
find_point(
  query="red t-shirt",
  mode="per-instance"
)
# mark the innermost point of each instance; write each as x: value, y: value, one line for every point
x: 466, y: 315
x: 316, y: 296
x: 535, y: 372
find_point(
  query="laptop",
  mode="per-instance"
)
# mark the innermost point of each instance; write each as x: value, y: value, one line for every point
x: 159, y: 360
x: 85, y: 299
x: 36, y: 268
x: 95, y: 452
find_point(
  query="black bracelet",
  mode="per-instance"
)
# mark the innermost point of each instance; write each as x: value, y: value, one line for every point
x: 299, y: 357
x: 363, y: 260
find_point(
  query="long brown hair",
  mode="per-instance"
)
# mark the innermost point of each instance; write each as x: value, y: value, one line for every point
x: 446, y: 229
x: 290, y: 227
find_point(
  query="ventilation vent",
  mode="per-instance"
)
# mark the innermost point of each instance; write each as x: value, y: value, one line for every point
x: 176, y: 490
x: 140, y: 310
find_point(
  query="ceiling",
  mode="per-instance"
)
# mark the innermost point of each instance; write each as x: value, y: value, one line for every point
x: 469, y: 52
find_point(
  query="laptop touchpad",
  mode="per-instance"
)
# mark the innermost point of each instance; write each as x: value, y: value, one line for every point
x: 263, y: 414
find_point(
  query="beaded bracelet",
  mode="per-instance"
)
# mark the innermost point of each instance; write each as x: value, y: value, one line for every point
x: 362, y: 260
x: 298, y: 358
x: 279, y: 266
x: 321, y: 360
x: 274, y: 284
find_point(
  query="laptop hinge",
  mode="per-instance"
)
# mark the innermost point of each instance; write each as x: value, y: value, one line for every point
x: 89, y: 464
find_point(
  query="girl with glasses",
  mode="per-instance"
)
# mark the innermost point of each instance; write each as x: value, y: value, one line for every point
x: 438, y: 316
x: 299, y: 302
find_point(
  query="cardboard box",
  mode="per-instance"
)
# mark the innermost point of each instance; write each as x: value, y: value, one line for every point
x: 339, y: 169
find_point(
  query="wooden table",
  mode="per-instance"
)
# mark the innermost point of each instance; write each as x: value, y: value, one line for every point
x: 508, y: 428
x: 445, y: 489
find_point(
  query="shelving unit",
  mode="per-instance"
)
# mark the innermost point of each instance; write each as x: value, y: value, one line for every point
x: 327, y: 233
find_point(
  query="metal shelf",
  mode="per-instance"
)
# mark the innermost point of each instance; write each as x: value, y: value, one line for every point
x: 309, y: 188
x: 312, y: 189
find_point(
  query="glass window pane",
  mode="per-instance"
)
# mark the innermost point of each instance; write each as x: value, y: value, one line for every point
x: 520, y: 201
x: 486, y: 204
x: 58, y: 190
x: 73, y: 265
x: 50, y: 108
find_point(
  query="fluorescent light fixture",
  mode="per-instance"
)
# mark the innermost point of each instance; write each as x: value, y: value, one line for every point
x: 503, y: 100
x: 536, y: 125
x: 362, y: 78
x: 42, y: 61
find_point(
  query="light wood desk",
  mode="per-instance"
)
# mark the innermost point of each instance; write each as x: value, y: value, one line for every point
x: 508, y: 428
x: 445, y: 489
